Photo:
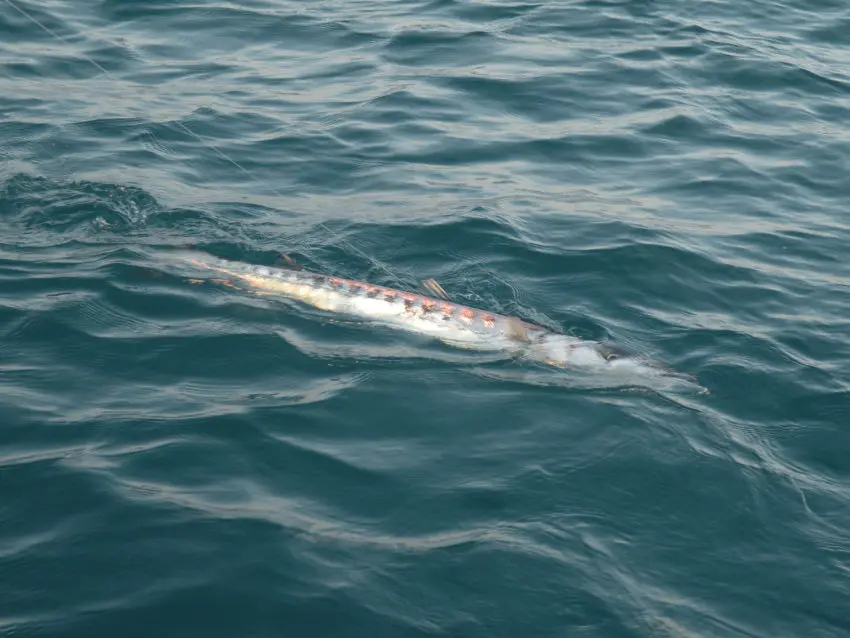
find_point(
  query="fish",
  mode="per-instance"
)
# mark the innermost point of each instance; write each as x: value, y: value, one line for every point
x: 437, y: 316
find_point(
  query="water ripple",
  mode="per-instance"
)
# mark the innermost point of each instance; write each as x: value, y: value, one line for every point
x: 668, y: 176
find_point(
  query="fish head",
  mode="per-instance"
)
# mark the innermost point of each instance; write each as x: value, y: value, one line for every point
x: 562, y: 351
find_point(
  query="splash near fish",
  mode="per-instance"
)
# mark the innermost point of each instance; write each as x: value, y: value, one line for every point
x: 436, y: 316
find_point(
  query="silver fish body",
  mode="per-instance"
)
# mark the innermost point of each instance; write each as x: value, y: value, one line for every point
x: 452, y: 323
x: 445, y: 320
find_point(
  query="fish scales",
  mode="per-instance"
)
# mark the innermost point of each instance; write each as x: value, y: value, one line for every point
x: 444, y: 319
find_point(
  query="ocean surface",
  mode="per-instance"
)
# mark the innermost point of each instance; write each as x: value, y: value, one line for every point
x: 179, y: 458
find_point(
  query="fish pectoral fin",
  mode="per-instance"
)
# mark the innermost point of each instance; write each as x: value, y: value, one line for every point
x: 436, y: 289
x: 461, y: 345
x: 517, y: 330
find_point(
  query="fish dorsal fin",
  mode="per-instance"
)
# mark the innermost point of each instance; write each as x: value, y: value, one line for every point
x: 436, y: 289
x: 517, y: 330
x: 285, y: 261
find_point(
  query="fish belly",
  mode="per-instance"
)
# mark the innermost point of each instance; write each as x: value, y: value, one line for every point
x: 454, y: 324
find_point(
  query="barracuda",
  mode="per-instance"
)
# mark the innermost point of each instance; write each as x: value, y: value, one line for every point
x: 439, y: 317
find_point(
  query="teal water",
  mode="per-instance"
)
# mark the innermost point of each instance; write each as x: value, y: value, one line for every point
x: 191, y: 460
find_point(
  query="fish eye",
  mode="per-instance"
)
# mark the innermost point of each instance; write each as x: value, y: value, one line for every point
x: 611, y: 356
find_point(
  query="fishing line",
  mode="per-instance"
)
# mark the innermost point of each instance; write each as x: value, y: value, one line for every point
x: 191, y: 133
